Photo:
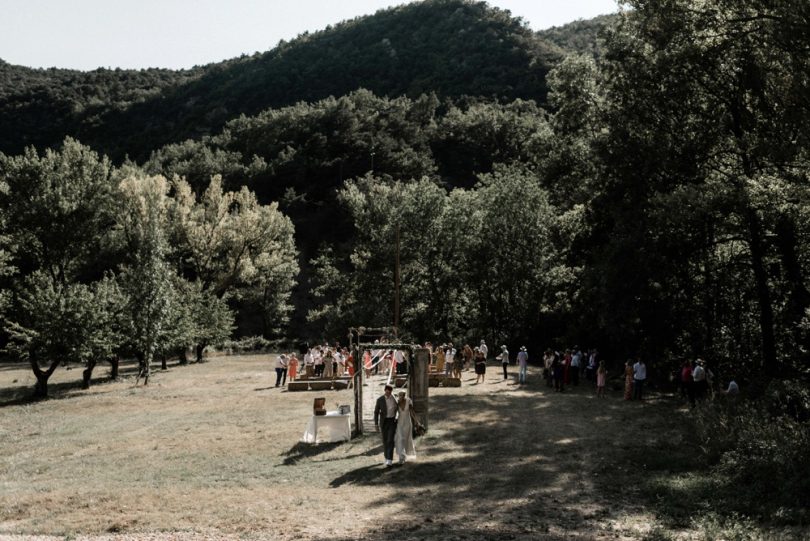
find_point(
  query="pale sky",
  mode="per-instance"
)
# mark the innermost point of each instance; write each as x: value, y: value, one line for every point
x: 87, y: 34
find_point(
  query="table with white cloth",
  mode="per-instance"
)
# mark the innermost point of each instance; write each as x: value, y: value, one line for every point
x: 327, y: 428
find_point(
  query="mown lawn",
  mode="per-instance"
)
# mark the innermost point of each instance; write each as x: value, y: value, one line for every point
x: 214, y: 447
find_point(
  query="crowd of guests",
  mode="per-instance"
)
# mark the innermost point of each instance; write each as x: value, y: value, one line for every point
x: 560, y: 368
x: 323, y: 362
x: 569, y: 367
x: 697, y: 382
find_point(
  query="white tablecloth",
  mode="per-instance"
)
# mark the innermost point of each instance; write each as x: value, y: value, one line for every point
x: 330, y: 427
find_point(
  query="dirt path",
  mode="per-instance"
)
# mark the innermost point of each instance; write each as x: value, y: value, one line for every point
x: 212, y: 451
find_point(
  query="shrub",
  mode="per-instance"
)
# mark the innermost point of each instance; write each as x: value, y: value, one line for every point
x: 759, y: 448
x: 248, y: 344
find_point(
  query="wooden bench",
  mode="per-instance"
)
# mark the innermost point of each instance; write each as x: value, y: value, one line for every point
x: 298, y: 386
x: 441, y: 380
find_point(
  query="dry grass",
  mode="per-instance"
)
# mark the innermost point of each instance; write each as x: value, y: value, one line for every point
x: 213, y: 449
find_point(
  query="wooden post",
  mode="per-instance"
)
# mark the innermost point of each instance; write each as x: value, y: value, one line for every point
x: 418, y: 384
x: 396, y: 289
x: 359, y: 380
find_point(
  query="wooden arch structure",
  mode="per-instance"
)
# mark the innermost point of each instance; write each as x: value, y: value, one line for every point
x: 418, y: 359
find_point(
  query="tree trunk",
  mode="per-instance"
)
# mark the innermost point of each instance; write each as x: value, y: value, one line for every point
x: 182, y: 354
x: 163, y: 362
x: 144, y: 369
x: 87, y: 374
x: 798, y: 297
x: 114, y: 367
x: 200, y: 348
x: 41, y: 386
x: 766, y: 323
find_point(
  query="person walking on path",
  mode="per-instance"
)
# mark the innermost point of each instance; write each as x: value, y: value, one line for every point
x: 639, y: 377
x: 385, y: 422
x: 403, y: 440
x: 628, y: 380
x: 523, y: 364
x: 281, y: 369
x: 504, y: 358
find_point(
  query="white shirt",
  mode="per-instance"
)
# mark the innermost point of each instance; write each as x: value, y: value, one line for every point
x: 484, y: 349
x: 522, y: 358
x: 640, y: 371
x: 504, y: 356
x: 698, y: 373
x: 281, y: 362
x: 732, y: 388
x: 575, y: 359
x: 391, y: 406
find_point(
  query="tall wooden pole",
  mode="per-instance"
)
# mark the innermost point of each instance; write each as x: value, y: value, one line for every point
x: 396, y: 289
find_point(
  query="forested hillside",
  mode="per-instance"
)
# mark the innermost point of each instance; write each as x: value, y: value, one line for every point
x: 448, y: 47
x: 579, y: 36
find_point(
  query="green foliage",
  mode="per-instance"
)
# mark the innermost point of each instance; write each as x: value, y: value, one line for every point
x: 234, y: 246
x: 40, y: 107
x: 580, y: 37
x: 59, y: 206
x: 63, y: 323
x: 485, y: 260
x: 699, y: 112
x: 148, y: 278
x: 248, y: 344
x: 761, y: 445
x: 450, y: 47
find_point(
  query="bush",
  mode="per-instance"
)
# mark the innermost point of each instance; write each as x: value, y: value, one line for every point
x: 759, y: 448
x: 248, y: 344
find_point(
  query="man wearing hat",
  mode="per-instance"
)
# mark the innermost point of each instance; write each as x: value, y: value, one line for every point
x: 523, y: 364
x: 385, y: 416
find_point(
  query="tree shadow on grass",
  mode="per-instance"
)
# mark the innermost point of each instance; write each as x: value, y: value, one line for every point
x: 528, y: 464
x: 24, y: 394
x: 301, y: 451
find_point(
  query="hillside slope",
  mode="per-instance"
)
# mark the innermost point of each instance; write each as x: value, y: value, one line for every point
x: 450, y: 47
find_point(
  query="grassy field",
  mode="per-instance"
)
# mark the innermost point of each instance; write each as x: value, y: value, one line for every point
x: 213, y: 449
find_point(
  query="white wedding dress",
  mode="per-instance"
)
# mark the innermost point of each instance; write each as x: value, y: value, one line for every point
x: 403, y: 441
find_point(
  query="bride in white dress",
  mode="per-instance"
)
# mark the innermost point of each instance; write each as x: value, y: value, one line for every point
x: 403, y: 441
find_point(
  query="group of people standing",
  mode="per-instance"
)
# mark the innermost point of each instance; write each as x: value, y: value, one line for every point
x: 635, y: 376
x: 567, y: 368
x: 324, y: 361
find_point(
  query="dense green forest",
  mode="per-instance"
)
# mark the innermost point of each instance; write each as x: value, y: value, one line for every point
x: 447, y: 47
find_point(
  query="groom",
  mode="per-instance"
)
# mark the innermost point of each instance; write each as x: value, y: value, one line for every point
x: 386, y: 411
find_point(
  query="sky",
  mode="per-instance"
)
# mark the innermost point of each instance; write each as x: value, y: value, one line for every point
x: 133, y: 34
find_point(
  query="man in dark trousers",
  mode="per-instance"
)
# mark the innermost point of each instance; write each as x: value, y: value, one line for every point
x: 385, y: 415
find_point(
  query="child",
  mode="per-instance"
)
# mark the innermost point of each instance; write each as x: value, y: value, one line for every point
x: 601, y: 377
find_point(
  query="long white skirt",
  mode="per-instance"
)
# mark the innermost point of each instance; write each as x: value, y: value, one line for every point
x: 403, y: 441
